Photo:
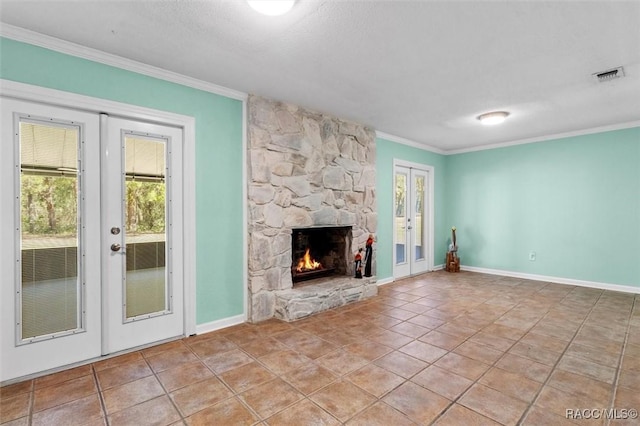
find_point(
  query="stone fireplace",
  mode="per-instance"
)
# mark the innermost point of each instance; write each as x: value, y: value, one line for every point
x: 320, y: 252
x: 307, y: 173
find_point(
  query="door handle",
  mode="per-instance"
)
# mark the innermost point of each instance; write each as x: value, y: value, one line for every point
x: 408, y: 227
x: 115, y: 247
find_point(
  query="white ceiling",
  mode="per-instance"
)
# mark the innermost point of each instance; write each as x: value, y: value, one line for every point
x: 420, y: 70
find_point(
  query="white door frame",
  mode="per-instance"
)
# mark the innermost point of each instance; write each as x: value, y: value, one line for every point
x: 430, y: 208
x: 63, y: 99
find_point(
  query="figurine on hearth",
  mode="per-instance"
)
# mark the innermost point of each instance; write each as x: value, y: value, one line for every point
x: 358, y: 263
x: 368, y: 256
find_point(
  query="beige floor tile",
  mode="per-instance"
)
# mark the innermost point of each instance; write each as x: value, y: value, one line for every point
x: 212, y: 346
x: 198, y: 396
x: 342, y: 399
x: 442, y: 340
x: 63, y: 376
x: 14, y: 406
x: 375, y: 380
x: 263, y: 347
x: 315, y: 348
x: 443, y: 382
x: 284, y: 361
x: 117, y: 360
x: 493, y: 404
x: 427, y: 322
x: 410, y: 329
x: 124, y: 373
x: 271, y: 397
x: 157, y: 411
x: 423, y: 351
x: 587, y: 368
x: 132, y: 393
x: 231, y: 410
x: 380, y: 414
x: 70, y: 390
x: 309, y: 378
x: 82, y: 411
x: 183, y: 375
x: 419, y: 404
x: 539, y: 416
x: 478, y: 352
x: 512, y: 384
x: 368, y: 350
x: 341, y: 362
x: 399, y: 313
x: 412, y: 354
x: 401, y: 364
x: 226, y: 361
x: 460, y: 415
x: 304, y: 412
x: 391, y: 339
x: 247, y: 376
x: 462, y: 366
x: 170, y: 358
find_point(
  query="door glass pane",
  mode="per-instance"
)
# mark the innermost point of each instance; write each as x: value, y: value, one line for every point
x: 401, y: 218
x: 49, y: 228
x: 145, y: 217
x: 419, y: 217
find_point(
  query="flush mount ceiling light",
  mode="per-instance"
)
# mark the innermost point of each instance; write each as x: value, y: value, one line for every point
x: 271, y: 7
x: 491, y: 118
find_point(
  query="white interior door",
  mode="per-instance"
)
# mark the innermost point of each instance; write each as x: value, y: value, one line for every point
x: 412, y: 219
x: 143, y: 241
x: 68, y: 179
x: 50, y: 252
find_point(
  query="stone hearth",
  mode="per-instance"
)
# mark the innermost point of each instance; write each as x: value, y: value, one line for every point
x: 306, y: 169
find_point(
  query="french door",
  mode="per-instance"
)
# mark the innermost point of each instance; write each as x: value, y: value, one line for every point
x: 90, y: 219
x: 412, y: 218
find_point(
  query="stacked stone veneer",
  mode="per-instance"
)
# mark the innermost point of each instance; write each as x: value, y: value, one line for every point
x: 304, y: 169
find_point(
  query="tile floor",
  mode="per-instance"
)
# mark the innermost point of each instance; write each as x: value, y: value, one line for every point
x: 445, y: 349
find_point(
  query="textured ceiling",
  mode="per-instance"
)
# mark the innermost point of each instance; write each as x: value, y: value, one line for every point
x: 421, y: 70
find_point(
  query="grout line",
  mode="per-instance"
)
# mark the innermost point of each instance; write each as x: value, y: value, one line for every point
x: 370, y: 310
x: 100, y: 398
x: 621, y: 360
x: 32, y: 399
x: 491, y: 366
x: 166, y: 392
x: 555, y: 366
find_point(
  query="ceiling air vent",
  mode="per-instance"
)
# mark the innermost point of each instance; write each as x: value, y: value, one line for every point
x: 608, y: 75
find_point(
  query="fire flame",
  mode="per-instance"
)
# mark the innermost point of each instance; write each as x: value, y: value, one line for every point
x: 306, y: 263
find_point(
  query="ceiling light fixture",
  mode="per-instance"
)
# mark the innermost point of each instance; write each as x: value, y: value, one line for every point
x: 491, y: 118
x: 271, y: 7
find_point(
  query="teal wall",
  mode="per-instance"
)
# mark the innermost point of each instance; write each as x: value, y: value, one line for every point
x: 574, y: 201
x: 386, y: 152
x: 219, y: 286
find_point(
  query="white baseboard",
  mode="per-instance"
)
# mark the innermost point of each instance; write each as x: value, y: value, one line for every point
x: 219, y: 324
x: 384, y: 281
x: 555, y: 280
x: 438, y: 267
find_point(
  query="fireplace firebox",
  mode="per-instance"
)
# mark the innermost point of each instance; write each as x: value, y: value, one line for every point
x: 320, y: 252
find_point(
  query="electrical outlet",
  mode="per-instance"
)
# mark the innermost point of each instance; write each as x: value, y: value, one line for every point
x: 532, y: 256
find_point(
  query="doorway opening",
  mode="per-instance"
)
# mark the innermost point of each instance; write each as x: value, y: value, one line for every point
x: 412, y: 219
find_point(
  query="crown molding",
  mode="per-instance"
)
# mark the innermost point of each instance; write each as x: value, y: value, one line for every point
x: 31, y: 37
x: 590, y: 131
x: 403, y: 141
